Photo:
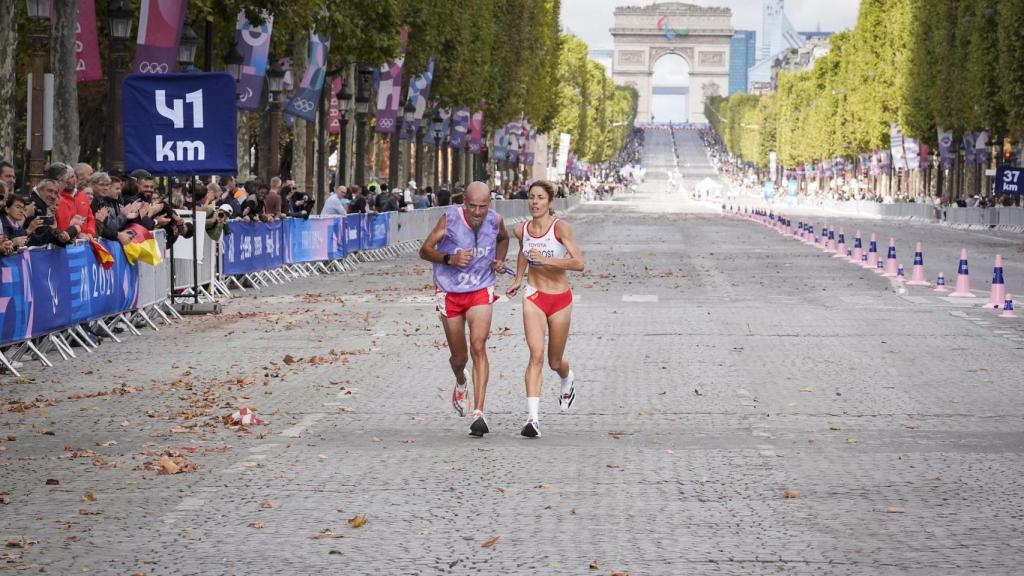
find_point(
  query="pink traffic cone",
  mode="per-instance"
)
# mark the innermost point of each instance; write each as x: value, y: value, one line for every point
x: 917, y: 275
x: 940, y: 283
x: 1008, y: 307
x: 841, y: 246
x: 858, y: 249
x: 890, y: 260
x: 963, y: 278
x: 872, y: 259
x: 998, y: 293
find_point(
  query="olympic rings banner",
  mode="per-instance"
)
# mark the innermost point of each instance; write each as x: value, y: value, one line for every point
x: 160, y: 25
x: 307, y: 99
x: 43, y: 290
x: 255, y: 246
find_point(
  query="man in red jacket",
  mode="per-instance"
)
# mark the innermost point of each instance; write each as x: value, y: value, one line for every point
x: 73, y: 202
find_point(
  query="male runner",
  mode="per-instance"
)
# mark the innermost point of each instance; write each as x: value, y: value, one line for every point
x: 467, y: 247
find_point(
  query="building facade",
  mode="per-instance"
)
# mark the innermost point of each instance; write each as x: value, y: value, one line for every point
x: 742, y: 55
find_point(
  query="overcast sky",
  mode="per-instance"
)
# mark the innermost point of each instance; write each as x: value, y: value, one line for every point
x: 591, y: 19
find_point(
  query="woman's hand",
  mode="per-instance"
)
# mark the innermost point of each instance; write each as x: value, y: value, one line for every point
x: 518, y: 283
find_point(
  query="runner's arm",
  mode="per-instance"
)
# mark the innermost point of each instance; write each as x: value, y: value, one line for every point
x: 428, y: 250
x: 575, y: 261
x: 501, y: 250
x: 521, y: 264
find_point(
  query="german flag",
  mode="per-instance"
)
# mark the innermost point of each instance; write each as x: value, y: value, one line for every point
x: 142, y: 246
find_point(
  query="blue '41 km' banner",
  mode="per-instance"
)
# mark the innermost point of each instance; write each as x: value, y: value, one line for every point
x: 180, y: 123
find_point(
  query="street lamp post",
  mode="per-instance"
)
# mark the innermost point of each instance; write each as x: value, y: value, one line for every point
x: 39, y: 15
x: 420, y: 130
x: 436, y: 125
x: 187, y: 48
x: 362, y: 114
x: 119, y: 17
x: 275, y: 82
x: 343, y: 103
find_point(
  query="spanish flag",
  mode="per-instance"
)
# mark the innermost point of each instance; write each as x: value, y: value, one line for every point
x: 102, y: 255
x: 142, y: 246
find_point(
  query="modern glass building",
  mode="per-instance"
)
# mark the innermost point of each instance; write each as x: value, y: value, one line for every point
x: 742, y: 55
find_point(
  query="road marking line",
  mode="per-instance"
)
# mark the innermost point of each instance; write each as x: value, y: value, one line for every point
x: 639, y: 298
x: 307, y: 421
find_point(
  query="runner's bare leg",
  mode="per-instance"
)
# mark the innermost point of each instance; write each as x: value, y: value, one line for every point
x: 479, y: 320
x: 534, y: 324
x: 558, y: 327
x: 455, y: 333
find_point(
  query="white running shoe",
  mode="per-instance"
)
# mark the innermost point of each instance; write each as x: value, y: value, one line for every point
x: 566, y: 399
x: 459, y: 394
x: 531, y: 429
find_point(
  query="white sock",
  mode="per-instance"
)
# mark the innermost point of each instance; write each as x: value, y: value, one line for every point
x: 533, y: 405
x: 567, y: 382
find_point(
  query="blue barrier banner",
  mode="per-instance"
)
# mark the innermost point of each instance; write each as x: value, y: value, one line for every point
x: 44, y: 290
x: 380, y: 230
x: 336, y: 238
x: 305, y: 240
x: 364, y: 232
x: 96, y: 292
x: 253, y: 246
x: 353, y: 225
x: 180, y: 123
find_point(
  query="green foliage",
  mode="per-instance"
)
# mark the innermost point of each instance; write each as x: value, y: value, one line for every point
x: 596, y: 113
x: 955, y: 64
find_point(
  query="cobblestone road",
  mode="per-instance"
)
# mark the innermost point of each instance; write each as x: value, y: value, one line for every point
x: 719, y: 365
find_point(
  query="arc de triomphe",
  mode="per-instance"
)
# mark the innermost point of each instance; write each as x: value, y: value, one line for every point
x: 700, y: 35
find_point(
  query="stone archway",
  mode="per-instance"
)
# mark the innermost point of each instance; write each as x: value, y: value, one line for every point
x: 700, y: 35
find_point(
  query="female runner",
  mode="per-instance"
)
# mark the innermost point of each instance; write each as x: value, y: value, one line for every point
x: 548, y: 248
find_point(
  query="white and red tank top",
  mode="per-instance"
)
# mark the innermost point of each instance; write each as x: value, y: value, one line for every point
x: 547, y: 244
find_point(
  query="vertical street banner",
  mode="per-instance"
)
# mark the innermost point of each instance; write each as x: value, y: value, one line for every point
x: 498, y: 148
x: 306, y: 100
x: 160, y: 25
x: 419, y: 93
x: 772, y: 165
x: 563, y: 153
x: 178, y: 124
x: 389, y: 90
x: 87, y: 48
x: 531, y: 148
x: 446, y: 122
x: 334, y: 111
x: 460, y: 128
x: 981, y: 151
x: 253, y: 43
x: 911, y: 153
x: 896, y: 146
x: 968, y: 145
x: 945, y: 147
x: 476, y: 132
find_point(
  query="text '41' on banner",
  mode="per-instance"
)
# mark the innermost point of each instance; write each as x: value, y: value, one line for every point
x: 180, y: 123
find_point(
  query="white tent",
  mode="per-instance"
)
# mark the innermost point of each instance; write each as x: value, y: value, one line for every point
x: 709, y: 185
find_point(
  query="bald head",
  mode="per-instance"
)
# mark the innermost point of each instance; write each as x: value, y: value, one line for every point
x: 476, y: 203
x: 477, y: 193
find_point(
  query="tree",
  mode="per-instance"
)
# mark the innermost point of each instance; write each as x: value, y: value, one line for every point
x: 65, y: 81
x: 9, y: 15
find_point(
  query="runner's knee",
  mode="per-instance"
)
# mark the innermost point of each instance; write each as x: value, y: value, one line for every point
x: 478, y: 347
x: 458, y: 360
x: 555, y: 363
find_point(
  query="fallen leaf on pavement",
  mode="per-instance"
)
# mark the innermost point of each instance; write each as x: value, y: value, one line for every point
x: 289, y: 359
x: 326, y: 534
x: 851, y: 440
x: 23, y: 543
x: 357, y: 521
x: 791, y: 494
x: 894, y: 510
x: 544, y: 486
x: 613, y: 465
x: 620, y: 573
x: 593, y: 564
x: 642, y: 413
x: 89, y: 496
x: 256, y: 525
x: 572, y: 511
x: 323, y: 456
x: 52, y: 482
x: 500, y: 489
x: 269, y: 504
x: 87, y: 512
x: 490, y: 542
x: 167, y: 466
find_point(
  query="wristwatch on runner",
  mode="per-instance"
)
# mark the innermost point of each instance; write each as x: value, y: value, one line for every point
x: 447, y: 257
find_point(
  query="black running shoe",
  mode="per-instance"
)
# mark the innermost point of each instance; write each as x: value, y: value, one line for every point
x: 479, y: 426
x: 531, y: 429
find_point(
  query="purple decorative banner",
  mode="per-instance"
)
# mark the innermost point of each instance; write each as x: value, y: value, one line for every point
x: 160, y: 24
x: 460, y: 128
x: 389, y: 90
x: 253, y: 42
x: 306, y: 100
x: 499, y: 148
x: 419, y: 92
x: 476, y: 132
x: 446, y: 122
